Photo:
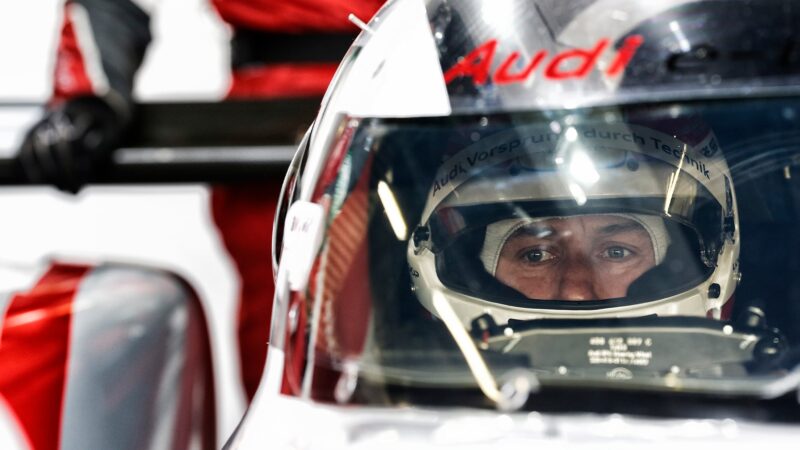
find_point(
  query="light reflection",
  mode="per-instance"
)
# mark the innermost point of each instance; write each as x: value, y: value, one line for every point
x: 673, y: 183
x: 577, y: 193
x: 36, y: 315
x: 475, y: 362
x: 683, y: 43
x: 498, y: 13
x: 571, y: 134
x: 392, y: 211
x: 619, y: 15
x: 580, y: 170
x: 581, y: 167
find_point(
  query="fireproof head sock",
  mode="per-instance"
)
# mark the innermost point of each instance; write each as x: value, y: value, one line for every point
x: 498, y: 233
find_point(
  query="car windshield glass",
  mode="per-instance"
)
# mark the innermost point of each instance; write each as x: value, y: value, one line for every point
x: 649, y: 246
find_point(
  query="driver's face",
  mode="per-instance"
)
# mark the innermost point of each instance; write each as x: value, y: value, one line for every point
x: 576, y: 258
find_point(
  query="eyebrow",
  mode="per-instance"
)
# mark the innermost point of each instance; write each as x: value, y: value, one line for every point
x: 615, y: 228
x: 547, y: 232
x: 534, y: 230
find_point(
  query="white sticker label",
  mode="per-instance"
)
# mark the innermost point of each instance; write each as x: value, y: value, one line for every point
x: 303, y: 236
x: 622, y: 351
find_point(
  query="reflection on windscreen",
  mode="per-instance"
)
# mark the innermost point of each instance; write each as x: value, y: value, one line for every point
x: 643, y: 245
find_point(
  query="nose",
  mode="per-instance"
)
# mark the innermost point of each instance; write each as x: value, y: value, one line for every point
x: 577, y: 279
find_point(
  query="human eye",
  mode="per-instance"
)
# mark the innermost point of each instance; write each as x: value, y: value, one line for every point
x: 537, y: 255
x: 616, y: 253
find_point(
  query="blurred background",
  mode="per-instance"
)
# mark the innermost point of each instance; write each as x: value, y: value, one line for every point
x: 188, y: 63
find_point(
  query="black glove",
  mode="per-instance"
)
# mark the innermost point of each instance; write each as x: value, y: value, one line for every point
x: 73, y: 142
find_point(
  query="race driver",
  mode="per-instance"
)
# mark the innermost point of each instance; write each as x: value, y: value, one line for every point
x: 278, y: 48
x: 588, y: 257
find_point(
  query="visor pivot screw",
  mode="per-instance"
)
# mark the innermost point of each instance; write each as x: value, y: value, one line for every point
x: 714, y: 290
x: 484, y: 327
x: 768, y: 348
x: 755, y: 318
x: 421, y: 234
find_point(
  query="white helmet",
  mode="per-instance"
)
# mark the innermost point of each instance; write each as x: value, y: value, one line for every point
x: 528, y: 179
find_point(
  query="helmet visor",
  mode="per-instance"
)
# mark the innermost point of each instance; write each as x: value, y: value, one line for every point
x: 584, y: 214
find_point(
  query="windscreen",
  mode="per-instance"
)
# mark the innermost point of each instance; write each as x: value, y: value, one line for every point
x: 634, y: 246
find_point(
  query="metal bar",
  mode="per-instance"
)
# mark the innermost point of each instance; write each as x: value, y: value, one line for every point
x: 279, y: 154
x: 231, y: 141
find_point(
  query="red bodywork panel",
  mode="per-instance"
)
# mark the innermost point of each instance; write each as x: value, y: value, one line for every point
x: 297, y: 16
x: 42, y: 363
x: 281, y: 81
x: 34, y: 351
